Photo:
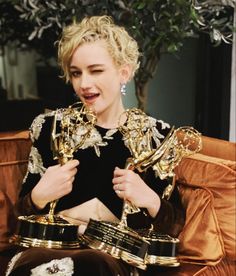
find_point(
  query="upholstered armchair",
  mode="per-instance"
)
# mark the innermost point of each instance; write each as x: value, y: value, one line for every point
x: 206, y: 181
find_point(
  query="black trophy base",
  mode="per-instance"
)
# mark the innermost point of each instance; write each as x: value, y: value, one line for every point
x: 47, y: 232
x: 162, y: 248
x: 119, y: 242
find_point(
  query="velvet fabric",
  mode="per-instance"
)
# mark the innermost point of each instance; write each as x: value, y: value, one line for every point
x: 201, y: 240
x: 14, y: 151
x: 84, y: 262
x: 207, y: 187
x: 224, y: 268
x: 218, y: 148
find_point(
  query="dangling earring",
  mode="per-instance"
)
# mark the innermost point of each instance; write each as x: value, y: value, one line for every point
x: 123, y: 89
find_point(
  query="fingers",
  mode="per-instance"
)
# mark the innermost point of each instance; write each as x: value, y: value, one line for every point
x: 56, y: 182
x: 120, y: 193
x: 121, y: 190
x: 68, y: 170
x: 71, y: 164
x: 122, y: 175
x: 128, y: 185
x: 67, y: 187
x: 119, y: 187
x: 119, y: 172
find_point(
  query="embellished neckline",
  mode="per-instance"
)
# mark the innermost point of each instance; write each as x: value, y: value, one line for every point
x: 106, y: 133
x: 105, y: 128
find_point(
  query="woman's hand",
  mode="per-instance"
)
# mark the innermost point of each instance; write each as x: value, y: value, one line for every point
x: 129, y: 186
x: 56, y: 182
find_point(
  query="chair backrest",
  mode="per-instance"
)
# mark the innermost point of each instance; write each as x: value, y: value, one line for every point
x: 218, y: 148
x: 14, y: 153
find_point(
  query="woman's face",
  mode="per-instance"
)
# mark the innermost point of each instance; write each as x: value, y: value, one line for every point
x: 96, y: 79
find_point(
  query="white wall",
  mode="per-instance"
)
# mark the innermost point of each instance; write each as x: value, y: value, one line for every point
x: 18, y: 73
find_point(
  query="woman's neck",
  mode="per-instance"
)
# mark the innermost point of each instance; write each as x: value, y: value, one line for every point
x: 111, y: 119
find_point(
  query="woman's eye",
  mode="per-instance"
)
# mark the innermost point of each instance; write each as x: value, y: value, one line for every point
x: 75, y: 74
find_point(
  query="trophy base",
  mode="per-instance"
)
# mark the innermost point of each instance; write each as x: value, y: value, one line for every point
x: 119, y: 242
x: 162, y: 249
x: 32, y: 242
x: 162, y: 261
x: 47, y: 232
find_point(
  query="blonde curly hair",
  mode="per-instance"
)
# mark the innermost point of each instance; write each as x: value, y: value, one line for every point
x: 121, y: 46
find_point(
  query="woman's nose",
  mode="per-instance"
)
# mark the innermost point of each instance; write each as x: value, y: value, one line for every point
x: 85, y: 81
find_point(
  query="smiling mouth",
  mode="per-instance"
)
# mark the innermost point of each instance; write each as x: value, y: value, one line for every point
x: 91, y: 97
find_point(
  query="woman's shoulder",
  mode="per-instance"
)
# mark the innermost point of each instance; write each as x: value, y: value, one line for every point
x: 159, y: 127
x: 158, y: 123
x: 38, y: 123
x: 43, y: 123
x: 147, y: 128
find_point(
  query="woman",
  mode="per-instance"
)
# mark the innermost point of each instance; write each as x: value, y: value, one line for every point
x: 98, y: 58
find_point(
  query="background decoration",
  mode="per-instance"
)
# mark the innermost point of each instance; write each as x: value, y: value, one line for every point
x: 159, y: 26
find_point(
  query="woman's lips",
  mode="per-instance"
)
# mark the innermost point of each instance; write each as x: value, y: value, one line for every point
x: 90, y: 98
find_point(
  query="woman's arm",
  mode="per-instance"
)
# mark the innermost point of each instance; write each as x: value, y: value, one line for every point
x: 45, y: 181
x: 166, y: 216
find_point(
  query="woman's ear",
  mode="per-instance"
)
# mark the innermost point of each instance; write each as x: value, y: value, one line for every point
x: 125, y: 73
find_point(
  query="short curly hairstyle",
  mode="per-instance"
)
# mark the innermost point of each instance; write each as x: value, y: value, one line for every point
x: 121, y: 46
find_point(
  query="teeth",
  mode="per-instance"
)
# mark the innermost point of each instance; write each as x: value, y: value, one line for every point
x: 91, y: 95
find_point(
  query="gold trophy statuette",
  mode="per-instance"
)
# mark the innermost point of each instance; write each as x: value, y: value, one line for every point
x: 71, y: 127
x: 145, y: 246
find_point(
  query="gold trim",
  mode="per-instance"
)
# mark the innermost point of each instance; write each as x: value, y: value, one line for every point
x: 104, y: 247
x: 33, y: 242
x: 134, y: 260
x: 171, y: 240
x: 45, y: 220
x: 162, y: 261
x: 117, y: 253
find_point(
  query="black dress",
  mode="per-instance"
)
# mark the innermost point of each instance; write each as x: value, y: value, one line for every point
x: 98, y: 157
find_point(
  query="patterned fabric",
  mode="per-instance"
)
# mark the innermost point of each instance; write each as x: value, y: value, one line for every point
x: 12, y: 262
x: 85, y: 262
x: 62, y: 267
